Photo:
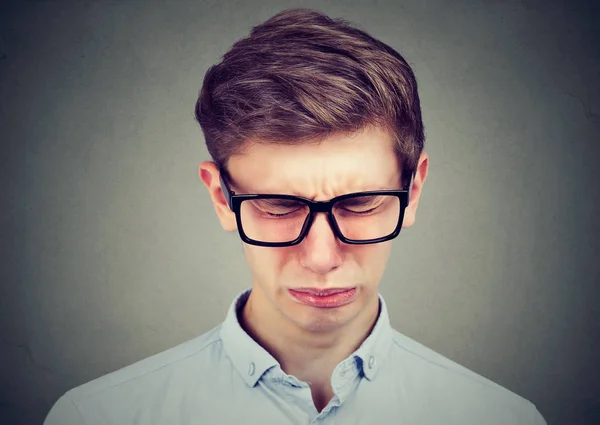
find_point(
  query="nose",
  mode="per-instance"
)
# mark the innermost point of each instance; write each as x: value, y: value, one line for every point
x: 321, y: 247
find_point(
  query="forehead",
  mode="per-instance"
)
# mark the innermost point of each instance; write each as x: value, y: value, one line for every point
x: 339, y: 164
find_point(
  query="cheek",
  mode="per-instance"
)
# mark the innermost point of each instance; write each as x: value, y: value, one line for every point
x: 266, y: 264
x: 372, y: 259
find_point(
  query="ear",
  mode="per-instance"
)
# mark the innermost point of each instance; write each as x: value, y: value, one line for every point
x: 415, y: 193
x: 210, y: 175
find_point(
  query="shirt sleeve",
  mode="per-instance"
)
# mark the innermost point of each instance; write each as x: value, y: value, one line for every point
x: 64, y: 412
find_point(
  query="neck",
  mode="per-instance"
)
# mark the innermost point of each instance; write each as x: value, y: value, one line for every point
x: 309, y: 356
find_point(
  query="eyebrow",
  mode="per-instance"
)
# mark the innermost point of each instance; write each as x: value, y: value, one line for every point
x: 301, y: 195
x: 249, y: 191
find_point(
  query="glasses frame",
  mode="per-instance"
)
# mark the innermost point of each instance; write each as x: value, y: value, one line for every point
x: 234, y: 200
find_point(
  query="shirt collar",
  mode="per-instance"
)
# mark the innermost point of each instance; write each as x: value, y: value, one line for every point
x: 251, y: 360
x: 374, y: 350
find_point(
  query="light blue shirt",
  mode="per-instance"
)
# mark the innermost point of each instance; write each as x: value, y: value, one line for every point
x: 225, y: 377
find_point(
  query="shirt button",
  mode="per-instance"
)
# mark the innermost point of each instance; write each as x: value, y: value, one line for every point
x: 251, y: 369
x: 371, y: 362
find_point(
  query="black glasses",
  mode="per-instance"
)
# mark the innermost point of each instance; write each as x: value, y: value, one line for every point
x: 284, y: 220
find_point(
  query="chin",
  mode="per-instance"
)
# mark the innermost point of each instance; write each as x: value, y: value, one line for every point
x: 322, y: 324
x: 316, y: 319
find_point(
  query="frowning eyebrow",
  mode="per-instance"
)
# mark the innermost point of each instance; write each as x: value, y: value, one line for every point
x: 239, y: 190
x: 249, y: 191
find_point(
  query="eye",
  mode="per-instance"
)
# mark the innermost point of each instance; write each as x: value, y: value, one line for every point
x: 278, y: 207
x: 360, y: 205
x: 270, y: 214
x: 361, y: 211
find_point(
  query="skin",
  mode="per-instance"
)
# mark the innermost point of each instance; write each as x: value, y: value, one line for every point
x: 308, y: 341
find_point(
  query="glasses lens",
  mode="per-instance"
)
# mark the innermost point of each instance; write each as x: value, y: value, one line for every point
x: 368, y: 217
x: 360, y: 218
x: 273, y: 219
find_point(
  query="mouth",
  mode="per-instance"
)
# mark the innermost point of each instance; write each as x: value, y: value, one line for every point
x: 321, y: 292
x: 323, y: 298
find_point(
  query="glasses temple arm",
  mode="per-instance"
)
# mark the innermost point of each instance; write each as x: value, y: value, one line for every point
x: 225, y: 189
x: 410, y: 185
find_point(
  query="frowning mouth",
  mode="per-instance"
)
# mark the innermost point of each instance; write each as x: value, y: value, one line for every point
x: 321, y: 292
x: 325, y: 298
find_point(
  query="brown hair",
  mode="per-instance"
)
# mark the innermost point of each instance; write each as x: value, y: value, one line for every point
x: 302, y: 76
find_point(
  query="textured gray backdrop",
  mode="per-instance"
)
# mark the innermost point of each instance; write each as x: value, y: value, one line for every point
x: 111, y: 251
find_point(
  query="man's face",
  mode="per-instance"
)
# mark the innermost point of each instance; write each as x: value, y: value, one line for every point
x: 339, y: 165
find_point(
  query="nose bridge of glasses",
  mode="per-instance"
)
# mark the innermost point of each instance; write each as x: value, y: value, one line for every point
x: 321, y: 206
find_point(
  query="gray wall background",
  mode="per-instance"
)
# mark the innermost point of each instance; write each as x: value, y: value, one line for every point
x: 111, y: 251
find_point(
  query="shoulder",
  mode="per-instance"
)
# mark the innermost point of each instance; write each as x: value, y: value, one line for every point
x: 443, y: 381
x: 168, y: 370
x: 197, y: 353
x: 432, y: 362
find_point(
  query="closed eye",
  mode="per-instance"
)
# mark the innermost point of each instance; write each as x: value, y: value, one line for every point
x: 361, y: 212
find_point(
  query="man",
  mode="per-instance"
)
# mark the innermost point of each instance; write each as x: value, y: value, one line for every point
x: 316, y: 135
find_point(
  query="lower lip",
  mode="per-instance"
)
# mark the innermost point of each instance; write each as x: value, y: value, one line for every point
x: 324, y: 301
